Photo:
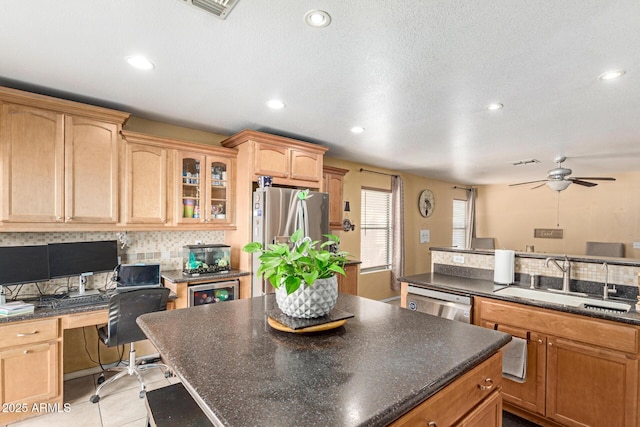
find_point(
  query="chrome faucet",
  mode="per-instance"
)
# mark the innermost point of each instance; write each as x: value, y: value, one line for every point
x: 607, y: 291
x: 566, y: 272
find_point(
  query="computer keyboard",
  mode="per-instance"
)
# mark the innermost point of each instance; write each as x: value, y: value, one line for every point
x: 79, y: 301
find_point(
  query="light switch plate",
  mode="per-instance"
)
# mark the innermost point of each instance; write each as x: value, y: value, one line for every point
x: 636, y: 245
x: 425, y: 236
x: 459, y: 259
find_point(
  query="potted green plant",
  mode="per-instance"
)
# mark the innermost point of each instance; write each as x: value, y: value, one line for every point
x: 302, y: 272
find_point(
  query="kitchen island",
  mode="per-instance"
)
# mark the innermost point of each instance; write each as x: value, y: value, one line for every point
x: 382, y: 363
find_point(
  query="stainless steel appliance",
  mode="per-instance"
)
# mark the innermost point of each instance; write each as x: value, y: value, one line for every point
x: 438, y: 303
x: 277, y: 213
x: 209, y: 293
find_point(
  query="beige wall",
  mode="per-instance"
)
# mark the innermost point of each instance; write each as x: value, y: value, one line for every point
x: 151, y: 127
x: 609, y: 212
x: 417, y: 256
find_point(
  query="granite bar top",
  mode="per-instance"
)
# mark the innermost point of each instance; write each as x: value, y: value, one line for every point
x: 485, y: 288
x: 379, y: 365
x: 177, y: 276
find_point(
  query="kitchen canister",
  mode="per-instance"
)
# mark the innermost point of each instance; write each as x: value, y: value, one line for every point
x: 504, y: 267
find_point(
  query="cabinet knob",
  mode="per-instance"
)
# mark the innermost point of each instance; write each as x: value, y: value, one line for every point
x: 432, y: 424
x: 163, y: 219
x: 550, y: 344
x: 487, y: 385
x: 539, y: 341
x: 26, y: 352
x: 58, y: 218
x: 69, y: 218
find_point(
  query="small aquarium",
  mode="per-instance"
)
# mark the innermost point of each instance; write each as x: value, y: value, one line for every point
x: 203, y: 259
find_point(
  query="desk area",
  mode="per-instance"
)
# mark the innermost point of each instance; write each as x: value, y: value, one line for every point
x: 32, y: 355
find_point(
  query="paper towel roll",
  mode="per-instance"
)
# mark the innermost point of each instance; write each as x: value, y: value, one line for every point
x: 504, y: 268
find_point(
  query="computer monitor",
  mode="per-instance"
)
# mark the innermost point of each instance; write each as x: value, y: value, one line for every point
x: 82, y: 259
x: 23, y: 264
x: 138, y: 275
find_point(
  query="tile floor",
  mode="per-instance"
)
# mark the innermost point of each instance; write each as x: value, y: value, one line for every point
x: 119, y: 404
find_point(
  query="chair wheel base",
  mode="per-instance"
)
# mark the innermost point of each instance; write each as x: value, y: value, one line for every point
x: 100, y: 379
x: 167, y: 374
x: 142, y: 393
x: 94, y: 399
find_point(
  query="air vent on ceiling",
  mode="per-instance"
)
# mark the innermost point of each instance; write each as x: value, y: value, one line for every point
x: 219, y: 8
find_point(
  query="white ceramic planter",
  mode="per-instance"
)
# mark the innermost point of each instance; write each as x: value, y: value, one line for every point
x: 309, y: 301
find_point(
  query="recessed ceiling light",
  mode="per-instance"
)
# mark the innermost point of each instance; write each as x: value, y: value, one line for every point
x: 357, y: 129
x: 494, y: 106
x: 610, y: 75
x: 140, y: 62
x: 275, y: 104
x: 317, y: 18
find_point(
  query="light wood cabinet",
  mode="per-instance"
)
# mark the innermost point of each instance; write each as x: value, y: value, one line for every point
x: 580, y: 371
x: 145, y: 183
x: 348, y: 284
x: 60, y: 162
x: 332, y: 183
x: 204, y: 187
x: 288, y: 161
x: 473, y: 399
x: 30, y: 368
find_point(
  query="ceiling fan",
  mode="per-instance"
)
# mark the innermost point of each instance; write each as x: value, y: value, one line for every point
x: 558, y: 178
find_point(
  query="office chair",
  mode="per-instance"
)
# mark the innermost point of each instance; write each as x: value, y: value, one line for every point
x: 124, y: 309
x: 605, y: 249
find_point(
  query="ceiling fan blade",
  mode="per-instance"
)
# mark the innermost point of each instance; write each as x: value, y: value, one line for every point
x: 529, y: 182
x: 596, y: 178
x: 538, y: 186
x: 584, y: 183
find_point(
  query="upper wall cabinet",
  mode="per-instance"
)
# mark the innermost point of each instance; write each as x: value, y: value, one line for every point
x: 332, y: 183
x: 145, y: 182
x: 177, y: 183
x: 59, y: 161
x: 288, y: 161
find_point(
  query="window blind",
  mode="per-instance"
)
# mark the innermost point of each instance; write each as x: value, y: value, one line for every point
x: 459, y: 223
x: 375, y: 229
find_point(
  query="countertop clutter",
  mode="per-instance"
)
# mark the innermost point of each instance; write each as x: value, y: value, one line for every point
x: 379, y: 365
x: 478, y: 287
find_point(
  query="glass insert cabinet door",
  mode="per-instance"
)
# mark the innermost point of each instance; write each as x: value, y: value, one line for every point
x: 204, y: 189
x: 217, y: 190
x: 191, y: 194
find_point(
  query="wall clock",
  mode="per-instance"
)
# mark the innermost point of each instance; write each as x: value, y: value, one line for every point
x: 426, y: 203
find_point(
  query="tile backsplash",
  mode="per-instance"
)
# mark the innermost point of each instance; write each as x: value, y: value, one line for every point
x: 163, y: 247
x: 586, y: 271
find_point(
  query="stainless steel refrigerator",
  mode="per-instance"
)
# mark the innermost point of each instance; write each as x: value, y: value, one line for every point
x: 277, y: 213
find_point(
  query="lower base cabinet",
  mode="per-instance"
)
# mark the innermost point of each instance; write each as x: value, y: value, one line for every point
x: 348, y: 283
x: 473, y: 400
x: 30, y: 370
x: 581, y: 371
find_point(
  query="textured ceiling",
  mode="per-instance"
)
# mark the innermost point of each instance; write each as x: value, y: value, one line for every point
x: 416, y: 74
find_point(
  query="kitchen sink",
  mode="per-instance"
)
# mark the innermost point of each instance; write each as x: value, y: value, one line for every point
x: 566, y: 299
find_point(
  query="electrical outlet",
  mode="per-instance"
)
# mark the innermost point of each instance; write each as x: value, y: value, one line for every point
x: 636, y: 245
x: 459, y: 259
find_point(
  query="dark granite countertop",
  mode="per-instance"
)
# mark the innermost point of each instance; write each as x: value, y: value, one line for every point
x: 177, y: 276
x: 485, y: 288
x: 379, y: 365
x: 43, y: 313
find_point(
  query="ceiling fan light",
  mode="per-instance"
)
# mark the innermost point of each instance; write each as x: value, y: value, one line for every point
x: 558, y: 185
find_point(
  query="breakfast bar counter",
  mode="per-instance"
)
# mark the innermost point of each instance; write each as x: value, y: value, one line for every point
x: 382, y: 363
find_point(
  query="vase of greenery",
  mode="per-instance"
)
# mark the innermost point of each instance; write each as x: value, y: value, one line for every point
x: 302, y: 272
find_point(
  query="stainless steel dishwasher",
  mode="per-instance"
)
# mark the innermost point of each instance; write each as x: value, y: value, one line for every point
x: 439, y: 303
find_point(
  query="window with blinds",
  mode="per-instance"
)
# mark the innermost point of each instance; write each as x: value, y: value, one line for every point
x: 375, y: 230
x: 459, y: 237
